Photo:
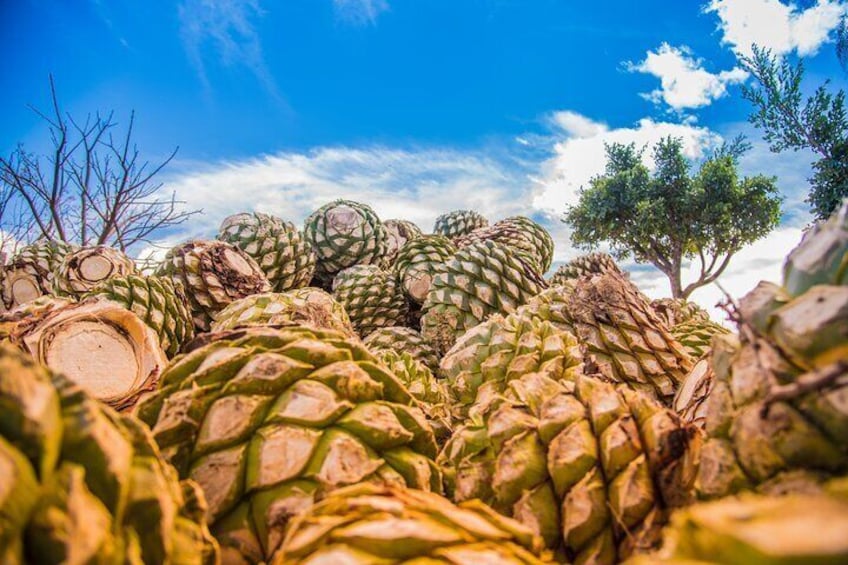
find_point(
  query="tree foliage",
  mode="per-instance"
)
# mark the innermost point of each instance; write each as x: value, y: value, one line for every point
x: 668, y: 216
x: 92, y: 188
x: 790, y: 120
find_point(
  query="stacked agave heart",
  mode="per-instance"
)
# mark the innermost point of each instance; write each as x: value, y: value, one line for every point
x: 310, y: 396
x: 776, y: 414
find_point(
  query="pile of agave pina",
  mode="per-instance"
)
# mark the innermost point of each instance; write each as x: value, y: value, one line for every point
x: 360, y: 392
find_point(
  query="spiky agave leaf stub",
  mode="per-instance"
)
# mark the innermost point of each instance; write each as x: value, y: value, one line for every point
x: 266, y: 419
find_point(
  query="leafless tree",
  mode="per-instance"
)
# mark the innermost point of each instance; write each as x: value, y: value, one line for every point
x: 93, y: 188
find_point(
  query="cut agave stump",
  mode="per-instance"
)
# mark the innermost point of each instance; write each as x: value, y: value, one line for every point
x: 84, y: 269
x: 213, y: 274
x: 266, y: 420
x: 398, y: 233
x: 158, y: 301
x: 304, y: 306
x: 30, y: 273
x: 106, y: 349
x: 15, y: 323
x: 373, y: 524
x: 593, y: 468
x: 80, y: 483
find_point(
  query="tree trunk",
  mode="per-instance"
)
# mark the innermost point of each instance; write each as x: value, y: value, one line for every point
x: 674, y: 279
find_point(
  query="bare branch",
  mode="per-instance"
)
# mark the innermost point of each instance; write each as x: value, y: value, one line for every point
x: 92, y: 187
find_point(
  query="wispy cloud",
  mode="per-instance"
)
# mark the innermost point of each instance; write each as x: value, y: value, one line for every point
x: 781, y: 27
x: 684, y: 83
x: 417, y: 184
x: 359, y: 12
x: 224, y: 32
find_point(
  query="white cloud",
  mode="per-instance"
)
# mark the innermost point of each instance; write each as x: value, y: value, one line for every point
x: 413, y: 184
x: 360, y: 12
x: 228, y: 26
x: 580, y: 154
x: 684, y: 83
x: 783, y: 28
x: 762, y: 260
x: 577, y: 125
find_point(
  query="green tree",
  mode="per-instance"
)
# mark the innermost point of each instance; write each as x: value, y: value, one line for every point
x: 667, y: 217
x: 790, y: 120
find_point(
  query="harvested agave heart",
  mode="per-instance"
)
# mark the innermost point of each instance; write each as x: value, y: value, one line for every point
x: 267, y: 420
x: 29, y: 274
x: 213, y: 274
x: 83, y: 269
x: 592, y: 467
x: 83, y: 484
x: 278, y: 247
x: 103, y: 347
x: 344, y: 233
x: 458, y: 223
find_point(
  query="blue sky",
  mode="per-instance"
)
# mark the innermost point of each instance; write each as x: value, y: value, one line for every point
x: 416, y: 107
